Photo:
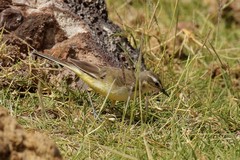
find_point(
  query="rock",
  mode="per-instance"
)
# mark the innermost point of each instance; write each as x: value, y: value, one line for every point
x: 17, y: 144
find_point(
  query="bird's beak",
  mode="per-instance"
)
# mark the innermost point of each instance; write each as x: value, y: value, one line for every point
x: 164, y: 92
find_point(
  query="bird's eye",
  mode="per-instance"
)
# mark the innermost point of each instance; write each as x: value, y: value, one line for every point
x: 157, y: 84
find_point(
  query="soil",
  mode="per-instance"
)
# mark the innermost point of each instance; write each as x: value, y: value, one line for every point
x: 18, y: 144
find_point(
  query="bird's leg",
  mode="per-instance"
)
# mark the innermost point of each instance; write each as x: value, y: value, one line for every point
x: 93, y: 108
x: 110, y: 109
x: 113, y: 104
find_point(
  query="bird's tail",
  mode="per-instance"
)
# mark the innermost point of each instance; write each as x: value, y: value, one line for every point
x: 60, y: 62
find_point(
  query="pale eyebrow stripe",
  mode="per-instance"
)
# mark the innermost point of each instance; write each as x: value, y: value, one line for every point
x: 153, y: 78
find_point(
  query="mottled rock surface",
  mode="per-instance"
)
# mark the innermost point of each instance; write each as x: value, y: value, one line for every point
x: 18, y: 144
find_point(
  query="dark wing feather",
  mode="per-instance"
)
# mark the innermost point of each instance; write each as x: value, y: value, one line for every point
x: 125, y: 77
x: 86, y: 67
x: 56, y: 60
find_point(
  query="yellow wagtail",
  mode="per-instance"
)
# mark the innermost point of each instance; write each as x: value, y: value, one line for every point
x: 116, y: 83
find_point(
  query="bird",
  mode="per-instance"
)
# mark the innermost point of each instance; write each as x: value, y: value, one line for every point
x: 114, y: 83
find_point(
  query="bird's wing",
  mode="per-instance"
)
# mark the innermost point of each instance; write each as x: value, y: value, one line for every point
x: 124, y: 77
x: 56, y: 60
x: 87, y: 68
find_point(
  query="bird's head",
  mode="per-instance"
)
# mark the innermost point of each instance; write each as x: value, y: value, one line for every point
x: 150, y: 82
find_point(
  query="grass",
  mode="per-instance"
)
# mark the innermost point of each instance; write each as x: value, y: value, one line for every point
x: 200, y: 119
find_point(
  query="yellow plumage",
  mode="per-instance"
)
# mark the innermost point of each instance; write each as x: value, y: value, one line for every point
x: 120, y: 84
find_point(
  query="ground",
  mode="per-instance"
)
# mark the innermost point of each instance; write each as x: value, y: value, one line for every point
x: 192, y: 45
x: 17, y: 143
